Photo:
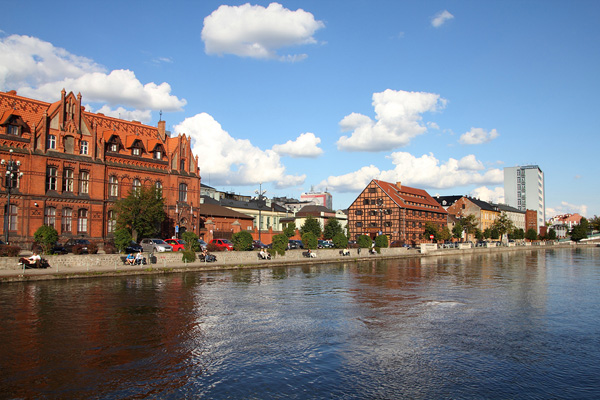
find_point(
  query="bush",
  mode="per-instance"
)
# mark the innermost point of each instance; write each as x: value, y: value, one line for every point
x: 381, y: 241
x: 340, y: 241
x: 188, y: 255
x: 191, y: 241
x: 7, y: 250
x: 309, y: 240
x: 122, y: 238
x: 280, y: 243
x: 211, y: 247
x: 46, y: 236
x: 242, y: 241
x: 92, y: 248
x: 110, y: 248
x: 364, y: 241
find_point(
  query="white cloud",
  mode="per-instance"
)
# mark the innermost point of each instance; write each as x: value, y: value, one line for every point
x: 566, y: 208
x: 495, y: 195
x: 230, y: 161
x: 425, y: 172
x: 40, y: 70
x: 258, y: 32
x: 440, y: 18
x: 398, y: 120
x: 306, y: 145
x: 144, y: 116
x: 478, y: 136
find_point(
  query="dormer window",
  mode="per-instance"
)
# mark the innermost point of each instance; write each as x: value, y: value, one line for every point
x: 51, y: 142
x: 14, y: 130
x: 83, y: 147
x: 136, y: 151
x: 114, y: 147
x: 158, y: 154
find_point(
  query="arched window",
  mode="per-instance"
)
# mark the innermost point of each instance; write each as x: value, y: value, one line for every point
x: 82, y: 220
x: 66, y: 221
x: 183, y: 192
x: 136, y: 186
x: 68, y: 180
x: 113, y: 186
x: 112, y: 221
x: 50, y: 216
x: 51, y: 179
x: 84, y: 182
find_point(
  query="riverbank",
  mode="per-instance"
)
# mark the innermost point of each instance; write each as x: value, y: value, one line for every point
x: 105, y: 265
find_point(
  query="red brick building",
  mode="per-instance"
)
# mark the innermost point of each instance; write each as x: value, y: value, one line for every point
x: 400, y: 212
x: 76, y: 164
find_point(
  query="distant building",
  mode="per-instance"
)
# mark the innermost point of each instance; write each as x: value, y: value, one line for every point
x: 524, y: 190
x: 516, y: 216
x: 398, y: 211
x: 484, y: 212
x: 318, y: 198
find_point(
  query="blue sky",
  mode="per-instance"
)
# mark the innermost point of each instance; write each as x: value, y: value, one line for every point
x: 440, y: 95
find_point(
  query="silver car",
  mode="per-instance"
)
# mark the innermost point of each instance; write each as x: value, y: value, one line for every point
x: 155, y: 245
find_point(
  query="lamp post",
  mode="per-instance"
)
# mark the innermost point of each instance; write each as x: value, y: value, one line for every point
x: 260, y: 199
x: 10, y: 181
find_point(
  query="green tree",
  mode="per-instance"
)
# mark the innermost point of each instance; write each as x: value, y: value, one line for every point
x: 122, y: 239
x: 551, y: 234
x: 188, y: 255
x: 46, y: 236
x: 242, y: 241
x: 141, y: 212
x: 309, y: 240
x: 311, y: 224
x: 594, y: 223
x: 457, y: 231
x: 531, y: 234
x: 340, y: 241
x: 445, y: 234
x: 431, y: 229
x: 332, y: 228
x: 495, y: 234
x: 503, y: 224
x: 517, y: 234
x: 478, y: 234
x: 580, y: 231
x: 290, y: 229
x: 279, y: 244
x: 381, y: 241
x: 364, y: 241
x: 487, y: 233
x: 191, y: 241
x: 469, y: 223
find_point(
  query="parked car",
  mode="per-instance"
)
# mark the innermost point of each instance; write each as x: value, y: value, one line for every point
x: 295, y: 244
x: 324, y: 244
x: 222, y: 244
x: 58, y: 249
x: 152, y: 245
x: 133, y: 247
x: 257, y: 244
x: 69, y: 244
x: 177, y: 244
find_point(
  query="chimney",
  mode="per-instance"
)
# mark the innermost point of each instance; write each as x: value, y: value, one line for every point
x: 161, y: 129
x: 399, y: 184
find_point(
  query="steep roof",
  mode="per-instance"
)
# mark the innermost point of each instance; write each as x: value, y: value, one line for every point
x: 409, y: 197
x: 208, y: 209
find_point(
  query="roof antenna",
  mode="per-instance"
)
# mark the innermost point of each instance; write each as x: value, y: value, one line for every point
x: 160, y: 118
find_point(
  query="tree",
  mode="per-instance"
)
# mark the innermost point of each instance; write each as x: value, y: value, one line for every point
x: 469, y: 223
x: 280, y: 243
x: 191, y: 241
x: 457, y: 231
x: 478, y: 234
x: 551, y: 234
x: 580, y: 231
x: 503, y: 224
x: 141, y: 212
x: 311, y: 225
x: 381, y: 241
x: 517, y: 234
x: 445, y: 234
x: 46, y: 236
x: 431, y: 229
x: 364, y: 241
x: 309, y: 240
x: 594, y: 223
x: 122, y: 238
x: 242, y: 241
x: 340, y: 241
x: 531, y: 234
x: 290, y: 229
x: 332, y: 228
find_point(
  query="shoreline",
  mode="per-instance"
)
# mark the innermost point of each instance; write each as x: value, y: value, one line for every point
x: 82, y: 269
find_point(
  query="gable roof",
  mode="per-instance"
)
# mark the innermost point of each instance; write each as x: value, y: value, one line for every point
x: 209, y: 209
x: 409, y: 197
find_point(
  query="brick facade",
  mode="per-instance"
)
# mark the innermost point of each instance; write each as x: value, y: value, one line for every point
x: 76, y: 164
x: 400, y: 212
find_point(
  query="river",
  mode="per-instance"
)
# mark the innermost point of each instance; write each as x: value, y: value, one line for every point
x: 512, y: 325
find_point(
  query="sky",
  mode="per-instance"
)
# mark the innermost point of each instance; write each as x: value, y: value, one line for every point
x: 300, y: 96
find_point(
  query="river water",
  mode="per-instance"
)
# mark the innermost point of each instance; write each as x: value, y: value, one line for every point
x: 515, y: 325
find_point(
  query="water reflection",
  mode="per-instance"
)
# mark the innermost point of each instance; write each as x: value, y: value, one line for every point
x: 506, y: 325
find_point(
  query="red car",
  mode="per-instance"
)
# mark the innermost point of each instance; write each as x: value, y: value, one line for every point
x: 177, y: 244
x: 223, y: 244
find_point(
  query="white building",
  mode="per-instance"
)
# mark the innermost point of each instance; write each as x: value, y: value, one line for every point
x: 524, y: 190
x: 318, y: 198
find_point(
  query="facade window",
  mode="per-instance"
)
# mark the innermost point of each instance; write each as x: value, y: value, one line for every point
x: 136, y: 151
x: 84, y: 182
x: 159, y: 187
x: 183, y: 192
x: 358, y: 212
x: 358, y: 224
x: 136, y: 186
x: 51, y: 179
x: 50, y: 216
x: 82, y: 220
x: 113, y: 186
x: 51, y: 142
x: 112, y: 221
x: 14, y: 130
x: 12, y: 217
x: 66, y: 221
x: 158, y: 154
x: 83, y: 147
x: 68, y: 180
x: 371, y: 190
x: 366, y: 202
x: 372, y: 212
x: 387, y: 224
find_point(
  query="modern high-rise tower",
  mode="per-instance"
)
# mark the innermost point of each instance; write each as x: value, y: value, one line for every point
x: 524, y: 190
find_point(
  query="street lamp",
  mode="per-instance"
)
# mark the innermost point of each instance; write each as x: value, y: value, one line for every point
x: 10, y: 182
x: 260, y: 199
